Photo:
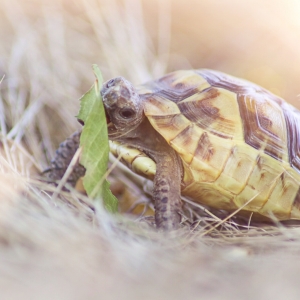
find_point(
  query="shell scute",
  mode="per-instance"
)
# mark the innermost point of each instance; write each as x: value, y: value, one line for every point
x: 236, y: 85
x: 209, y: 158
x: 169, y: 126
x: 282, y: 197
x: 211, y: 195
x: 158, y: 106
x: 260, y: 183
x: 238, y: 168
x: 264, y: 125
x: 179, y: 85
x: 215, y: 110
x: 292, y: 118
x: 186, y: 142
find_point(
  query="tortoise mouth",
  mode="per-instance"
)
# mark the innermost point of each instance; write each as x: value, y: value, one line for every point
x: 111, y: 128
x: 114, y: 133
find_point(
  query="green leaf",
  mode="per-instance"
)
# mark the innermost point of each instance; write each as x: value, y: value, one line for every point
x: 95, y: 146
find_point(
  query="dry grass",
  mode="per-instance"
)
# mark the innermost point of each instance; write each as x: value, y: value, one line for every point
x: 70, y: 248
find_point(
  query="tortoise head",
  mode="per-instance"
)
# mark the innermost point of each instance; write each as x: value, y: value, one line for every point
x: 123, y: 106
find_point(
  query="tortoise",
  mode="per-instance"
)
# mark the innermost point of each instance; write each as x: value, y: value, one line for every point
x: 222, y: 141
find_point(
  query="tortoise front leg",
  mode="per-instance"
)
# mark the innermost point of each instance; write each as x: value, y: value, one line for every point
x: 169, y: 171
x: 166, y: 191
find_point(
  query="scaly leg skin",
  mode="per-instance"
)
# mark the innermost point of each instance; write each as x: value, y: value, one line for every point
x: 62, y: 159
x: 166, y: 191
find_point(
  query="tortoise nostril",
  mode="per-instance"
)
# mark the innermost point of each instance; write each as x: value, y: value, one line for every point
x: 110, y: 83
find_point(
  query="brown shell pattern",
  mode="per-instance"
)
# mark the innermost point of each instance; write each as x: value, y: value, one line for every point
x: 239, y: 143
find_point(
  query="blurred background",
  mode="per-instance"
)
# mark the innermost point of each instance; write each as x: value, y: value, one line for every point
x: 47, y: 49
x: 52, y: 249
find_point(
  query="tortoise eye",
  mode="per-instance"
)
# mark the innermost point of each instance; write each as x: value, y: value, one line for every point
x: 127, y: 113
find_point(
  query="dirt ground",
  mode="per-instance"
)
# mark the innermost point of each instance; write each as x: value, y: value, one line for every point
x: 67, y: 247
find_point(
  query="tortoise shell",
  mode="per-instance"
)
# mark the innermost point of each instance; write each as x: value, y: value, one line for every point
x: 238, y: 143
